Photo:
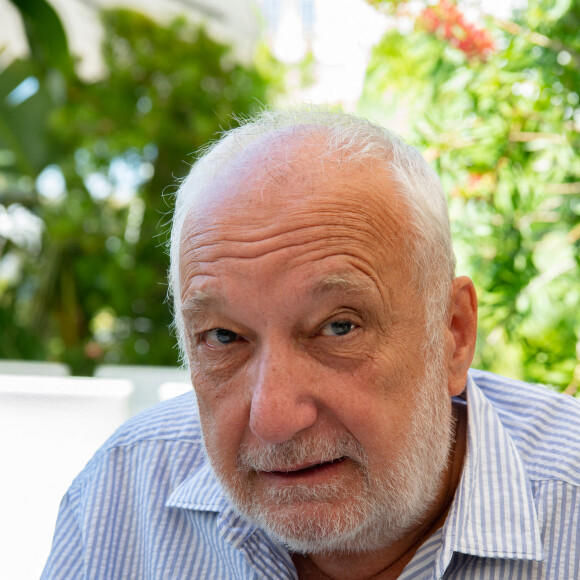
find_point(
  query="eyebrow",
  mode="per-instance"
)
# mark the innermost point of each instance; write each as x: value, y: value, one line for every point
x: 341, y: 281
x: 200, y: 300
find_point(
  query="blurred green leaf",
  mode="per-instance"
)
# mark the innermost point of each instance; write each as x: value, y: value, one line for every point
x: 46, y: 34
x: 23, y: 117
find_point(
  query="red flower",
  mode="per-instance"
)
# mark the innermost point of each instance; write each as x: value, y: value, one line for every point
x: 447, y: 22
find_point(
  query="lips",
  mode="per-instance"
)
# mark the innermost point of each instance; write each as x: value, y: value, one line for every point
x: 304, y: 469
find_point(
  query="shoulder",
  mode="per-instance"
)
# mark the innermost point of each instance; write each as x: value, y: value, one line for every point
x: 162, y: 442
x: 123, y: 515
x: 544, y: 425
x: 173, y: 420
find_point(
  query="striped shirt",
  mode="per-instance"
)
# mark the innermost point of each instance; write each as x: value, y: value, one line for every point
x: 148, y: 507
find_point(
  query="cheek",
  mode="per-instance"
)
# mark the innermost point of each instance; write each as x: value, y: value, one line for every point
x: 219, y: 366
x: 223, y: 418
x: 218, y: 374
x: 377, y: 407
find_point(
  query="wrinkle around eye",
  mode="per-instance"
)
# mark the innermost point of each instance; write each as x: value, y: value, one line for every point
x: 219, y: 363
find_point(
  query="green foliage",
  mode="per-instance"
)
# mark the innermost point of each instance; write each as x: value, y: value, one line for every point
x: 93, y: 291
x: 46, y: 35
x: 503, y: 131
x: 23, y: 126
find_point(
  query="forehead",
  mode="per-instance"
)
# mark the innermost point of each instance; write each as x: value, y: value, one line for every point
x: 290, y: 196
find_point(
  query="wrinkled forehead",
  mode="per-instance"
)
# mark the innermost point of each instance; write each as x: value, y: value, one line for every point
x: 291, y: 199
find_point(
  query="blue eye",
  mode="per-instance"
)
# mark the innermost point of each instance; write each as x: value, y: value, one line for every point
x: 338, y: 328
x: 220, y: 336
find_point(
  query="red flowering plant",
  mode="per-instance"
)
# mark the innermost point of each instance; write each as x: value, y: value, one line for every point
x: 447, y: 22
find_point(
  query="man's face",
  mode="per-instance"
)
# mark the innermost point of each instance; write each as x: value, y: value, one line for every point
x: 321, y: 417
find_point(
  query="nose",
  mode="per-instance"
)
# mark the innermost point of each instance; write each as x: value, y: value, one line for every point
x: 283, y: 402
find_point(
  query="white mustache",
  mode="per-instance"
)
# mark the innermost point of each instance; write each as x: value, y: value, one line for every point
x: 301, y: 450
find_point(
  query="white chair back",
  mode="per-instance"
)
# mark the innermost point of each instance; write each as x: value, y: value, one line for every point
x: 173, y: 389
x: 146, y: 379
x: 33, y: 367
x: 49, y: 428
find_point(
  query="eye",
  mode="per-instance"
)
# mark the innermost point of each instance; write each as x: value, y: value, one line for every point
x: 338, y: 328
x: 220, y: 337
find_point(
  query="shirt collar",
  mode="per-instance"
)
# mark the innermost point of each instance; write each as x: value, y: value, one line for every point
x: 493, y: 513
x: 202, y: 492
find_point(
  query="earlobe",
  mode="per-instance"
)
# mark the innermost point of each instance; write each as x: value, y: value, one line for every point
x: 462, y: 332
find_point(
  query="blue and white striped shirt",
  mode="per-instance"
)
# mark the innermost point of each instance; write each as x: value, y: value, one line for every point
x: 148, y: 507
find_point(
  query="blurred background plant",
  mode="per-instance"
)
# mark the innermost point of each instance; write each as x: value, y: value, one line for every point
x: 494, y: 103
x: 85, y: 184
x: 492, y: 100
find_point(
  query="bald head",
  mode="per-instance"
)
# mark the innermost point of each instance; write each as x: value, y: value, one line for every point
x: 271, y: 172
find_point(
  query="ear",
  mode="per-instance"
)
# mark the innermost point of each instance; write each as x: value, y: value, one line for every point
x: 461, y: 333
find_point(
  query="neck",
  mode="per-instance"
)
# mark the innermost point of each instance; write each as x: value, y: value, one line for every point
x: 389, y: 562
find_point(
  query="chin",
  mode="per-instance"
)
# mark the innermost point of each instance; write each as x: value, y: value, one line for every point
x: 343, y: 517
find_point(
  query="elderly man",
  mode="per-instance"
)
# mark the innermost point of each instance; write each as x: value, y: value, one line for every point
x: 338, y: 431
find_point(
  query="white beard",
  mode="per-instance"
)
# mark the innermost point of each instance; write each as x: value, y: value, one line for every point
x: 388, y: 504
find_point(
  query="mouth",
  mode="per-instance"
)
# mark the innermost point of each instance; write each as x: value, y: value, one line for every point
x: 306, y: 471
